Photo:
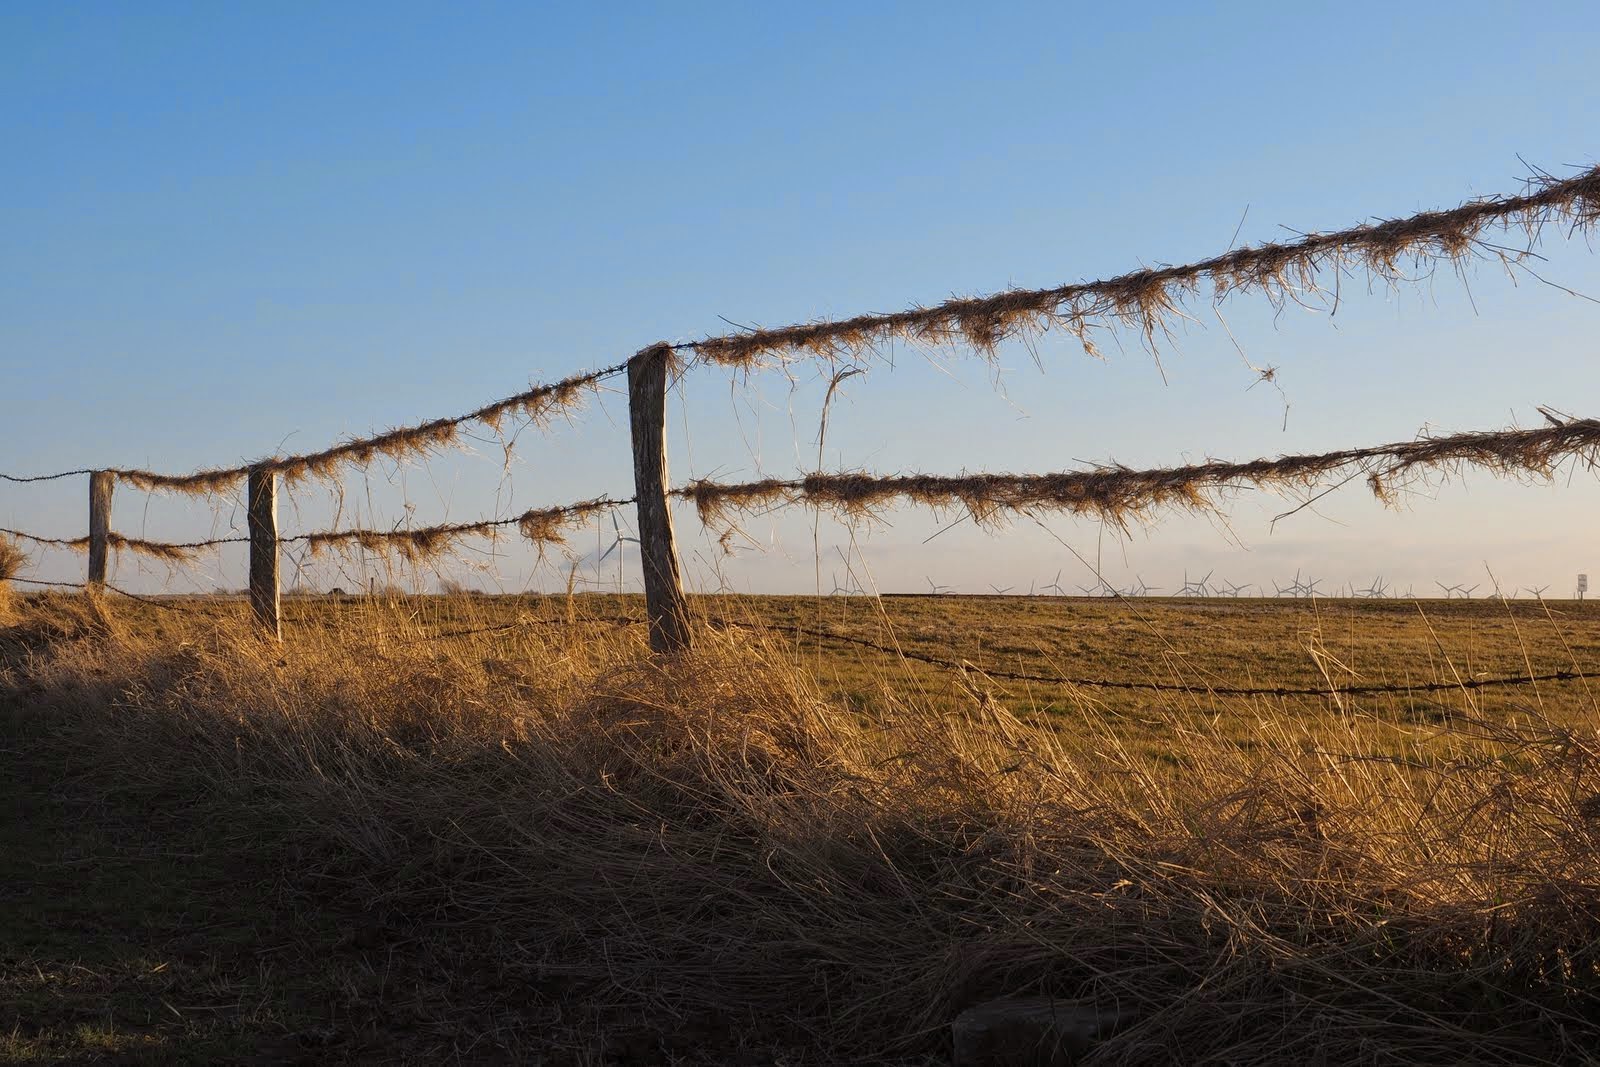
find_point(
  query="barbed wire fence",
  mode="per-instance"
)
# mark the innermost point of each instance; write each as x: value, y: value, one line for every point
x: 1147, y: 301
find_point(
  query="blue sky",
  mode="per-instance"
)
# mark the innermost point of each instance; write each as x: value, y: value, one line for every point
x: 235, y: 229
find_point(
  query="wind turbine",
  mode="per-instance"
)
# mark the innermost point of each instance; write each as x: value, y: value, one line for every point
x: 999, y: 591
x: 1142, y: 589
x: 1056, y: 585
x: 1376, y: 591
x: 1194, y: 588
x: 853, y: 589
x: 616, y: 546
x: 939, y: 590
x: 1537, y: 591
x: 1466, y: 593
x: 1227, y: 588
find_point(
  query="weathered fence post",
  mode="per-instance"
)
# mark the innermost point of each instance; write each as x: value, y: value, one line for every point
x: 262, y: 520
x: 664, y: 601
x: 100, y: 486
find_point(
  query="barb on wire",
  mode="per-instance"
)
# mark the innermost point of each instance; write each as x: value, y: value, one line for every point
x: 165, y: 604
x: 1120, y: 495
x: 1148, y: 300
x: 523, y: 624
x: 41, y: 581
x: 168, y: 551
x: 44, y: 477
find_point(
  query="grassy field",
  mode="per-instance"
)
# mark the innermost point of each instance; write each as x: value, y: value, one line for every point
x: 482, y: 829
x: 1188, y: 645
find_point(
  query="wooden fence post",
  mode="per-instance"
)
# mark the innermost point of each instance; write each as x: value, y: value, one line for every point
x: 664, y: 601
x: 262, y: 520
x: 100, y: 486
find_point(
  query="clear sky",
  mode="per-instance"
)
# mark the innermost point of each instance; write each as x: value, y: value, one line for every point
x: 234, y: 229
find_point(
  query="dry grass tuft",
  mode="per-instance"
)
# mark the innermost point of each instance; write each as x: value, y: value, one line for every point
x: 801, y: 882
x: 12, y: 560
x: 1122, y: 496
x: 158, y: 550
x: 1148, y: 301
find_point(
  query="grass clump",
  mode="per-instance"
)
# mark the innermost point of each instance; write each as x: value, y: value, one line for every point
x: 552, y: 844
x: 12, y: 560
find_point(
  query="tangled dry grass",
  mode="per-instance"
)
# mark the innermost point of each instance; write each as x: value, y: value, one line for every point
x: 1122, y: 496
x: 1149, y: 300
x: 537, y: 405
x: 1115, y: 494
x: 542, y: 527
x: 12, y: 560
x: 1145, y: 300
x: 706, y: 847
x: 165, y: 551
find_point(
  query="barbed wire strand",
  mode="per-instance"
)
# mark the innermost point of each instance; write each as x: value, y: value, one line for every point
x: 46, y: 477
x: 1116, y: 494
x: 1111, y: 493
x: 539, y: 525
x: 1144, y: 298
x: 536, y: 404
x: 1150, y: 299
x: 166, y: 605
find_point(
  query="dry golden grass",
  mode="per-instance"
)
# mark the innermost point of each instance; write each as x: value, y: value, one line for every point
x: 12, y: 560
x: 713, y: 860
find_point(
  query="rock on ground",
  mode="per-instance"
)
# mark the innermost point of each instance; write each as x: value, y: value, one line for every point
x: 1030, y: 1031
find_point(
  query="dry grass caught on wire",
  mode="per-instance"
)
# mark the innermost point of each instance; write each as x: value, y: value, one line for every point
x: 543, y: 527
x: 1147, y: 301
x: 1122, y: 496
x: 164, y: 551
x: 537, y: 405
x: 1118, y: 495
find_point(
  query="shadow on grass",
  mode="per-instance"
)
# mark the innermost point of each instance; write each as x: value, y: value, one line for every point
x: 144, y: 925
